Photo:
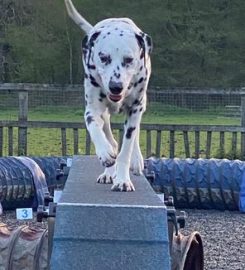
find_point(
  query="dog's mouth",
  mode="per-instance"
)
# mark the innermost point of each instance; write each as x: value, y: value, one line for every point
x: 115, y: 98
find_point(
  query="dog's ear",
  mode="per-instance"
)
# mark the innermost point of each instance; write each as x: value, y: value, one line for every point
x: 87, y: 45
x: 85, y: 42
x: 149, y: 43
x: 92, y: 39
x: 145, y: 42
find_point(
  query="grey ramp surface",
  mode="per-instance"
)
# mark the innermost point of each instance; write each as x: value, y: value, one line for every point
x: 96, y: 228
x: 98, y: 255
x: 83, y: 188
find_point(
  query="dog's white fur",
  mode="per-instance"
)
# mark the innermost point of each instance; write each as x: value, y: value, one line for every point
x: 117, y: 70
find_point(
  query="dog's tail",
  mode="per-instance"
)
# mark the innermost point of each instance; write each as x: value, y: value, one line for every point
x: 77, y: 18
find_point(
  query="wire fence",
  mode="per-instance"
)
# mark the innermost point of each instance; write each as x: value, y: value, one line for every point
x: 44, y: 99
x: 196, y: 99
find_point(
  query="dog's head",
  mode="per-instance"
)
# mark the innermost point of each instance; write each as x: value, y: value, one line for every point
x: 117, y: 57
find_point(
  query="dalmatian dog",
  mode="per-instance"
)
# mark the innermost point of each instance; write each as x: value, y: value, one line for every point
x: 117, y: 69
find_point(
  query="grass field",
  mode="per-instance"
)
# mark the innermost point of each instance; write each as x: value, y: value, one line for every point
x: 43, y: 142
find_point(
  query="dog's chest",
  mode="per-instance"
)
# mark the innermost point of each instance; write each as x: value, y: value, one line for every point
x: 123, y: 106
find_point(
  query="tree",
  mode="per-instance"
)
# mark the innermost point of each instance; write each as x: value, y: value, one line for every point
x: 196, y: 43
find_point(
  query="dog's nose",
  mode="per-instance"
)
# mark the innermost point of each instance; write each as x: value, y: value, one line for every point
x: 115, y: 87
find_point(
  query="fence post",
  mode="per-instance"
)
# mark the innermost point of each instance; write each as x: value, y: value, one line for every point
x: 243, y: 125
x: 23, y: 115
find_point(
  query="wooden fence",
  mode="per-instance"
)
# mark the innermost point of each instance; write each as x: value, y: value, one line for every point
x: 158, y: 137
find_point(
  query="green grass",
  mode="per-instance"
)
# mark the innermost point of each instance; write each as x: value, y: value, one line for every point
x: 156, y: 113
x: 43, y: 142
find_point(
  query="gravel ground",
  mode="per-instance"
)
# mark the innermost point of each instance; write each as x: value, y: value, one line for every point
x: 9, y: 217
x: 223, y: 236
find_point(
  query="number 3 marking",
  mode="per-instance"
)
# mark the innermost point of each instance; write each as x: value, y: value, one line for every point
x: 24, y: 213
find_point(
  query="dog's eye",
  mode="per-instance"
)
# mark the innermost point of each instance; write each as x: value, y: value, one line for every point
x: 105, y: 59
x: 127, y: 60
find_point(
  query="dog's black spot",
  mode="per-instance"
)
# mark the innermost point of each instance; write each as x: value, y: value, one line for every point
x: 89, y: 119
x: 88, y: 112
x: 135, y: 111
x: 140, y: 80
x: 86, y: 103
x: 91, y: 66
x: 118, y: 68
x: 141, y: 68
x: 121, y: 35
x: 93, y: 81
x: 102, y: 95
x: 125, y: 123
x: 141, y: 109
x: 135, y: 84
x: 136, y: 102
x: 130, y: 85
x: 108, y: 33
x: 130, y: 112
x: 85, y: 75
x: 141, y: 89
x: 117, y: 75
x: 108, y: 62
x: 129, y: 132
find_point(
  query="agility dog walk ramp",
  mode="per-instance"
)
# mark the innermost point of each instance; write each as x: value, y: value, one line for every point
x: 96, y: 228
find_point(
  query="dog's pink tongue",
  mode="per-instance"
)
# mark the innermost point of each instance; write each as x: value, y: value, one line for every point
x: 115, y: 98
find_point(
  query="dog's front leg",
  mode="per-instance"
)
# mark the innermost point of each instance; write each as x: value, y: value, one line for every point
x: 107, y: 176
x: 122, y: 181
x: 104, y: 150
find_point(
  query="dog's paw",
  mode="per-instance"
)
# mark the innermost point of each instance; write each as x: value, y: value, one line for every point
x: 123, y: 186
x: 107, y: 176
x: 105, y: 179
x: 106, y: 155
x: 137, y: 164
